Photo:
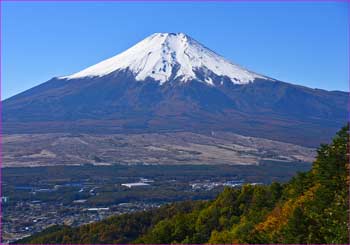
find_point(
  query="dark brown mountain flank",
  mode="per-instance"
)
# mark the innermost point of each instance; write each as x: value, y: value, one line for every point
x: 167, y: 83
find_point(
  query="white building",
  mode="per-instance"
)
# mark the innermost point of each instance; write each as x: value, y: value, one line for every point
x: 129, y: 185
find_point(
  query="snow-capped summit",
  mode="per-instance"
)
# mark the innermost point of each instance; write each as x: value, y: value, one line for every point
x: 162, y: 56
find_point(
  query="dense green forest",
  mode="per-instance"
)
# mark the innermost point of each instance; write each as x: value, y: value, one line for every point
x: 311, y: 208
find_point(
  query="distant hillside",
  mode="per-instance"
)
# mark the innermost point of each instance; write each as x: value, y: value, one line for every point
x: 311, y: 208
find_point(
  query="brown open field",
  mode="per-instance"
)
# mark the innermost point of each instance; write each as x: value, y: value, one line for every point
x: 152, y: 148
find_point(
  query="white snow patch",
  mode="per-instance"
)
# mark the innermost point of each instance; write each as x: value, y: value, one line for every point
x: 161, y: 54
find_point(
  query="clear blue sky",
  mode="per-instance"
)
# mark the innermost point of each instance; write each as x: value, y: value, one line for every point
x: 302, y: 42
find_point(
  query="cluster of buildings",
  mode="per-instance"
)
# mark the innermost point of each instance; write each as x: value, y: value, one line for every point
x: 209, y: 185
x: 25, y: 218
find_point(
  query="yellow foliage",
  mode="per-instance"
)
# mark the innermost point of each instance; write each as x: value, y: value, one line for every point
x: 280, y: 215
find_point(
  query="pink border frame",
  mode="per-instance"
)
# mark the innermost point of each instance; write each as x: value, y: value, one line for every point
x: 169, y: 1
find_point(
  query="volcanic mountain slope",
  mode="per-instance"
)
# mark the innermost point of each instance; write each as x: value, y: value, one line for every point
x: 170, y: 82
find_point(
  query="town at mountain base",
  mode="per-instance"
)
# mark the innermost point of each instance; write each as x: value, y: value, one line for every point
x: 311, y: 208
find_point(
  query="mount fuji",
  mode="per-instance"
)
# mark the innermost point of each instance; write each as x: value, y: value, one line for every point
x: 169, y: 82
